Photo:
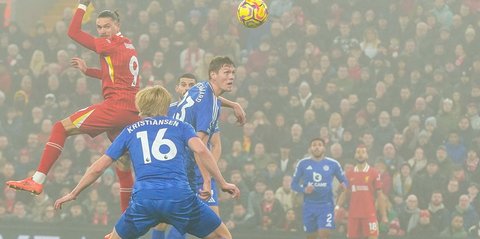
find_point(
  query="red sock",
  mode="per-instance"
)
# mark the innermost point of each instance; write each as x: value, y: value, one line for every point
x: 125, y: 179
x: 53, y: 148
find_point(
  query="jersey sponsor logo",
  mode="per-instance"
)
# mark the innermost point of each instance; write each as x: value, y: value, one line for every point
x: 317, y: 178
x: 309, y: 167
x: 129, y: 46
x: 326, y: 168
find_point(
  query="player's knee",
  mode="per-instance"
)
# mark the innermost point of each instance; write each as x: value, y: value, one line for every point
x: 114, y: 235
x: 161, y: 227
x: 221, y: 232
x: 66, y: 125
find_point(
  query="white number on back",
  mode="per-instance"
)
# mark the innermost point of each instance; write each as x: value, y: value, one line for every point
x: 155, y: 150
x: 188, y: 103
x: 134, y: 69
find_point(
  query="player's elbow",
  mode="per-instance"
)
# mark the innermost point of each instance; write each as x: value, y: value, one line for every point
x: 72, y: 33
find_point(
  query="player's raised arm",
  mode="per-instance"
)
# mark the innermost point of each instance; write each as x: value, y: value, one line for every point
x: 208, y: 162
x: 75, y: 29
x: 237, y: 109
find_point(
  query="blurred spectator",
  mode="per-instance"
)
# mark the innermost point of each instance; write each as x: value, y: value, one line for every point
x: 39, y: 206
x: 424, y: 227
x: 271, y: 212
x: 290, y: 222
x: 76, y: 215
x: 239, y: 220
x: 410, y: 214
x: 466, y: 211
x: 456, y: 228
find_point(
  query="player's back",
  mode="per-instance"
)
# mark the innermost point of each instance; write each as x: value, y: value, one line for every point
x: 120, y: 70
x: 200, y: 108
x: 172, y: 109
x: 156, y: 147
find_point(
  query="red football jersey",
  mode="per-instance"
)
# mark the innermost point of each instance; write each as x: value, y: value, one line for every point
x: 119, y: 63
x: 363, y: 186
x: 120, y: 69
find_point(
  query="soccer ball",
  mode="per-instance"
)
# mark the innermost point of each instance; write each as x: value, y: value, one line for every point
x: 252, y: 13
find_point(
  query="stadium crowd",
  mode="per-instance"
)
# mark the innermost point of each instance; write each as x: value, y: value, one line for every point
x: 401, y: 77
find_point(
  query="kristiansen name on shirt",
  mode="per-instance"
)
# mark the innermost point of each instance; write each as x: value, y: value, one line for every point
x: 145, y: 122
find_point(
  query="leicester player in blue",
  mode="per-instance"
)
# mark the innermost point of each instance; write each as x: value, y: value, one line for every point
x: 184, y: 83
x: 200, y: 107
x: 161, y: 191
x: 314, y: 178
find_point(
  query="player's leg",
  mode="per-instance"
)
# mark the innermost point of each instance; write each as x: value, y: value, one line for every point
x: 325, y: 223
x: 324, y: 233
x: 212, y: 202
x: 310, y: 214
x: 61, y: 130
x: 113, y: 235
x: 125, y: 179
x: 370, y: 228
x: 353, y: 228
x: 118, y: 120
x: 158, y: 232
x: 221, y: 232
x: 175, y: 234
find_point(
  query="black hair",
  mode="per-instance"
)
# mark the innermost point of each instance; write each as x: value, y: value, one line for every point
x: 109, y: 14
x: 318, y: 139
x: 188, y: 75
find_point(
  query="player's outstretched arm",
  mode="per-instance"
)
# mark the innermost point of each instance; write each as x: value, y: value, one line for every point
x: 80, y: 64
x: 208, y: 162
x: 91, y: 175
x: 237, y: 110
x: 75, y: 29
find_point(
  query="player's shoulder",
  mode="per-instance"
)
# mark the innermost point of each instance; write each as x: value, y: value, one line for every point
x: 303, y: 161
x: 174, y: 104
x: 200, y: 92
x: 332, y: 161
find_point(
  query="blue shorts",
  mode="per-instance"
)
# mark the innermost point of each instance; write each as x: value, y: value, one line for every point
x: 317, y: 216
x: 190, y: 215
x: 213, y: 200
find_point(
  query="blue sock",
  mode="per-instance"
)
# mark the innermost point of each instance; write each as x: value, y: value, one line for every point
x: 156, y: 234
x: 174, y: 234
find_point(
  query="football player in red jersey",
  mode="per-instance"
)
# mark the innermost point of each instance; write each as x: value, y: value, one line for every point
x: 120, y: 82
x: 364, y: 183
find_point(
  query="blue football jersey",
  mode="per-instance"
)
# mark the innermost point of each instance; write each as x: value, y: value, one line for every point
x: 201, y: 109
x: 172, y: 109
x: 318, y: 173
x: 156, y: 146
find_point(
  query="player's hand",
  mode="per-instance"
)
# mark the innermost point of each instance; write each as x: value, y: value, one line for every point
x: 84, y: 2
x: 309, y: 189
x: 239, y: 114
x: 79, y: 63
x: 385, y: 219
x: 67, y: 198
x: 206, y: 192
x: 232, y: 189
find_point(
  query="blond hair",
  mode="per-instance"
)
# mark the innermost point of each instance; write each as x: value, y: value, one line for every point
x: 153, y: 101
